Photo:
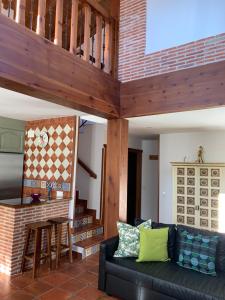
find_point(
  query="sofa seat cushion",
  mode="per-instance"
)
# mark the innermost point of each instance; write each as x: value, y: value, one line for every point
x: 169, y: 279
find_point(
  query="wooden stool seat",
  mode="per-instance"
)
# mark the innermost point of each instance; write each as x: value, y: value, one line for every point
x: 37, y: 255
x: 59, y: 246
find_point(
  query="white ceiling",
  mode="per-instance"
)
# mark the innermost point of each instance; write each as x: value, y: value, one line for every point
x: 18, y: 106
x: 22, y: 107
x: 198, y: 120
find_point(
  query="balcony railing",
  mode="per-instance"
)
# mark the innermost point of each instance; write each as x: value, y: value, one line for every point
x: 75, y: 25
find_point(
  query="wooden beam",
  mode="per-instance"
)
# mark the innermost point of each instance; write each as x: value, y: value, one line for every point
x: 34, y: 66
x: 190, y: 89
x: 116, y: 175
x: 87, y: 32
x: 20, y: 11
x: 58, y: 23
x: 41, y: 18
x: 98, y: 41
x: 74, y: 26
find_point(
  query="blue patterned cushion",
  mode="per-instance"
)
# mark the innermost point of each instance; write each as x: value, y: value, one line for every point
x: 197, y: 252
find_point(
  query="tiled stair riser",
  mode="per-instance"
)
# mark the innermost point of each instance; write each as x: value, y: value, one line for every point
x: 85, y: 235
x: 83, y: 221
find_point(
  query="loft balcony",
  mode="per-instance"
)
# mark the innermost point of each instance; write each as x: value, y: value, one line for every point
x: 62, y: 51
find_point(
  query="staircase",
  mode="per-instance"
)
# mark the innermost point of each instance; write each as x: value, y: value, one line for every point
x: 88, y: 232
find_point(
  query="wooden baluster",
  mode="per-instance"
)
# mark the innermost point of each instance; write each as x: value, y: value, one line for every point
x: 58, y: 23
x: 108, y: 47
x: 87, y: 25
x: 20, y: 11
x: 74, y: 26
x: 98, y: 41
x: 0, y: 6
x: 41, y: 18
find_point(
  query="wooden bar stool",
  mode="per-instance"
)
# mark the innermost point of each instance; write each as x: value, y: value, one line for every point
x: 59, y: 247
x: 38, y: 255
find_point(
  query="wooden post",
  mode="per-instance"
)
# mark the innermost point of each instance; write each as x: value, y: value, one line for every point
x: 116, y: 175
x: 87, y: 31
x: 108, y: 47
x: 74, y: 26
x: 20, y: 11
x: 58, y: 23
x: 41, y: 18
x: 98, y: 41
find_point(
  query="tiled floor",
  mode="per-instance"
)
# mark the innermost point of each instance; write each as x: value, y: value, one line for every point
x: 77, y: 281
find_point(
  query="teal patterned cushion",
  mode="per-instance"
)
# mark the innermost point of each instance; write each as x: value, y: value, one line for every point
x: 129, y: 239
x: 197, y: 252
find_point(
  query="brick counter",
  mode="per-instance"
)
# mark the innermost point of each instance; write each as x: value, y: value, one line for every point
x: 13, y: 230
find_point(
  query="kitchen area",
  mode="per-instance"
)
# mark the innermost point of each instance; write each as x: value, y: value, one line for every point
x: 37, y: 162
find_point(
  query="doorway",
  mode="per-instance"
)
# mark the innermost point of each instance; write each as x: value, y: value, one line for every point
x: 134, y: 185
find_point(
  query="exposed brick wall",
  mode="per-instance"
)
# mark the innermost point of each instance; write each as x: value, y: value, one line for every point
x: 13, y: 230
x: 134, y: 64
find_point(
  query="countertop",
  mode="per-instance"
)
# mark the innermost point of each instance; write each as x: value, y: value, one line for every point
x: 27, y: 201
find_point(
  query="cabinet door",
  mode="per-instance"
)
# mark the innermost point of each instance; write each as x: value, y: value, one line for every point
x: 185, y: 190
x: 11, y: 140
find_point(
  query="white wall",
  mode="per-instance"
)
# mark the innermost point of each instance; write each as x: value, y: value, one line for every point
x: 173, y: 148
x: 91, y: 142
x: 150, y: 180
x: 175, y: 22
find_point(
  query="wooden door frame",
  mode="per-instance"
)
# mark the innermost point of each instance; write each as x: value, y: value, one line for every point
x: 138, y: 180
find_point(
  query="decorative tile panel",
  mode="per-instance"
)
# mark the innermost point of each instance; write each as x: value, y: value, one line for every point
x: 54, y: 162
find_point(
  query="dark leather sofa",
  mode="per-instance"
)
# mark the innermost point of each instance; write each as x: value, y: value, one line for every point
x: 128, y: 280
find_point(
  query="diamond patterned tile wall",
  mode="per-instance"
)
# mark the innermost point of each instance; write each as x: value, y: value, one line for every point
x: 54, y: 162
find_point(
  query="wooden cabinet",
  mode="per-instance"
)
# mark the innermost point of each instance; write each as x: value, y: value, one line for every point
x: 11, y: 140
x: 199, y: 195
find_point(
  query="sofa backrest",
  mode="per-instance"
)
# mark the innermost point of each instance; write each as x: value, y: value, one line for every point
x: 220, y: 252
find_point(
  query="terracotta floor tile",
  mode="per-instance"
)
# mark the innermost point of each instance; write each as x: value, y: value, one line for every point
x: 87, y: 277
x: 38, y: 288
x: 90, y: 293
x: 56, y: 294
x: 22, y: 281
x: 73, y: 285
x: 19, y: 295
x: 55, y: 278
x: 76, y: 281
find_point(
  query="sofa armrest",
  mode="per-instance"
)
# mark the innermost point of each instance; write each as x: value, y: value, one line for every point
x: 107, y: 249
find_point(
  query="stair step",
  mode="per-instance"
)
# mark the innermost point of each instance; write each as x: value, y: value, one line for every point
x: 90, y: 242
x: 79, y: 209
x: 82, y: 220
x: 86, y: 228
x: 89, y: 246
x: 86, y: 232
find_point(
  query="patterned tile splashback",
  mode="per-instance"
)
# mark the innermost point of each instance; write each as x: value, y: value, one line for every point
x: 54, y: 162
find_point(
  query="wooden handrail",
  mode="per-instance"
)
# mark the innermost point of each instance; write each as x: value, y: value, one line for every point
x: 83, y: 27
x: 87, y: 169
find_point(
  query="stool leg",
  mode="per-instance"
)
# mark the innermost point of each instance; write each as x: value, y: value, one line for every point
x: 70, y: 243
x: 25, y: 249
x: 58, y: 245
x: 49, y: 238
x: 37, y: 251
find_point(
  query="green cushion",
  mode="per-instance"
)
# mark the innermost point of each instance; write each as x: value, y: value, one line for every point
x: 153, y: 244
x: 197, y: 252
x: 129, y: 239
